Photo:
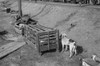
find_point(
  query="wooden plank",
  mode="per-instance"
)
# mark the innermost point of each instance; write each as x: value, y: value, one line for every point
x: 44, y: 27
x: 53, y: 42
x: 52, y: 38
x: 34, y: 27
x: 52, y: 35
x: 8, y: 48
x: 52, y: 32
x: 45, y: 43
x: 42, y: 37
x: 57, y: 40
x: 40, y: 28
x: 43, y: 33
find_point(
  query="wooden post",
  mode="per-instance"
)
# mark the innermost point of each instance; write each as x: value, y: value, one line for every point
x: 38, y: 44
x: 20, y: 7
x: 57, y: 40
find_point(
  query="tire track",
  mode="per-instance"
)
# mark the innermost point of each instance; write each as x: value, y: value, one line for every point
x: 40, y: 11
x: 62, y: 22
x: 46, y: 11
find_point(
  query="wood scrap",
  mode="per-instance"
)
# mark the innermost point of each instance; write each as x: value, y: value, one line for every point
x: 8, y: 48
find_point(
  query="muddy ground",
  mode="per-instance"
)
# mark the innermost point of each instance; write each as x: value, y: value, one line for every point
x: 85, y: 30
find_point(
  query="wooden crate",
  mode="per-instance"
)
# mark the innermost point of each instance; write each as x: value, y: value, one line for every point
x: 44, y: 38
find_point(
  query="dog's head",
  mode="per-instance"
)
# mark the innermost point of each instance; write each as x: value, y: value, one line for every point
x: 63, y: 35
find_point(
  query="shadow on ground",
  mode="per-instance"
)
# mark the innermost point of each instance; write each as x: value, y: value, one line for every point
x: 79, y: 49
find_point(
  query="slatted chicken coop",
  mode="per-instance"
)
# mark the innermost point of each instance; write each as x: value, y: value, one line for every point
x: 44, y: 38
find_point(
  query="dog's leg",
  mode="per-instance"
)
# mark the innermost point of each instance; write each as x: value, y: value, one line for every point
x: 70, y: 54
x: 62, y: 48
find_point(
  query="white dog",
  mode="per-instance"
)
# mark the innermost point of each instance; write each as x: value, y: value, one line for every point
x: 84, y: 63
x: 68, y: 43
x: 95, y: 58
x: 64, y: 41
x: 72, y: 48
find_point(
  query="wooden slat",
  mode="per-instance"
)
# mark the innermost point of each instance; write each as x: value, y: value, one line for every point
x: 52, y: 35
x: 40, y: 28
x: 44, y: 43
x: 52, y: 38
x: 43, y: 33
x: 34, y: 27
x: 8, y: 48
x: 42, y: 37
x: 44, y: 27
x: 52, y: 32
x: 53, y: 42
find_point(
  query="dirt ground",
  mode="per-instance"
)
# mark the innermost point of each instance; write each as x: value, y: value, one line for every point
x: 85, y: 30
